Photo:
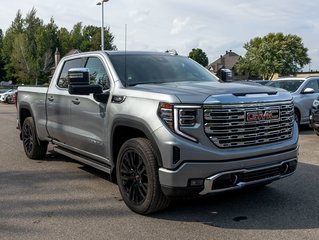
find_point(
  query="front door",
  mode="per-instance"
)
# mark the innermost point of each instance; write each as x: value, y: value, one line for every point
x: 88, y: 117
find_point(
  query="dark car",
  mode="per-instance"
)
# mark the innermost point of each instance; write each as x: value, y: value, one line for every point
x: 314, y: 116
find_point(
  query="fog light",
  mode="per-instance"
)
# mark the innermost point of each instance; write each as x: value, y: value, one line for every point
x: 226, y: 181
x: 196, y: 182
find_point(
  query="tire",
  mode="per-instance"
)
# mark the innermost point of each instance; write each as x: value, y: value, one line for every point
x: 137, y: 177
x: 33, y: 147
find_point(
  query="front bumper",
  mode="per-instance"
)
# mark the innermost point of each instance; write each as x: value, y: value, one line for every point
x: 227, y: 175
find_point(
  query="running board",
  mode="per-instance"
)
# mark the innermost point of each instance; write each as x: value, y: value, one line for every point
x: 82, y: 159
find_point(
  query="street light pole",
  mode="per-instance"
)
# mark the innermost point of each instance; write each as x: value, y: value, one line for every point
x: 102, y: 23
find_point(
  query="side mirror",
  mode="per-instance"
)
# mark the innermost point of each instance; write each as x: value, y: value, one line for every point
x: 79, y: 82
x: 226, y: 75
x: 308, y: 91
x: 79, y: 76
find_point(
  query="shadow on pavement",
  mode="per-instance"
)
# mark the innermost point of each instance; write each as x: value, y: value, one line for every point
x: 290, y: 203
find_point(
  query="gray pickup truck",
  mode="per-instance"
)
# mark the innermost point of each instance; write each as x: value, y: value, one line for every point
x: 161, y: 125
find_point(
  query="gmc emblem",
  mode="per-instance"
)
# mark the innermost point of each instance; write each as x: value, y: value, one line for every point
x: 262, y: 115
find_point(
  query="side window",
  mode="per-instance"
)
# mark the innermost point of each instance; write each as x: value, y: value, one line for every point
x: 74, y: 63
x: 313, y: 84
x: 98, y: 74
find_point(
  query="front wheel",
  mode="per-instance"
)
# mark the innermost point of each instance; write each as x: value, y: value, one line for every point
x: 137, y: 177
x: 33, y: 147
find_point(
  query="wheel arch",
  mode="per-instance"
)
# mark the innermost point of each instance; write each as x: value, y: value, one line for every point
x: 125, y: 129
x: 25, y: 112
x: 298, y: 112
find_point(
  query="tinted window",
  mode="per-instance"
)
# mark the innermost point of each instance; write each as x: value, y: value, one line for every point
x: 312, y: 84
x: 156, y: 68
x: 289, y: 85
x: 98, y: 74
x: 74, y: 63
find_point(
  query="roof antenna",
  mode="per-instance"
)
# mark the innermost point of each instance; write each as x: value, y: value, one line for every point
x: 125, y: 74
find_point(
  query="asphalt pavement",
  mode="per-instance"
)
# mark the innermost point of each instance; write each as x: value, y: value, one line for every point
x: 58, y: 198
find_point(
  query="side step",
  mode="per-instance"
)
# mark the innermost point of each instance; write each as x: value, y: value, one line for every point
x: 82, y: 159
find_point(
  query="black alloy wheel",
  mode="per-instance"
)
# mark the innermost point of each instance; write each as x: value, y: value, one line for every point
x: 137, y: 177
x: 27, y: 138
x: 134, y: 176
x: 33, y: 147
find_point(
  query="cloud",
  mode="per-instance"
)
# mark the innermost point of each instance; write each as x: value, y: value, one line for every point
x: 179, y: 25
x: 183, y: 24
x: 139, y: 15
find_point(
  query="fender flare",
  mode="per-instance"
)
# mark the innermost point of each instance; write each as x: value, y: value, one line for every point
x: 25, y: 105
x: 127, y: 122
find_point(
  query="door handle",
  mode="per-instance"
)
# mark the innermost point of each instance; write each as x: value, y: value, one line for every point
x: 76, y: 101
x: 51, y: 98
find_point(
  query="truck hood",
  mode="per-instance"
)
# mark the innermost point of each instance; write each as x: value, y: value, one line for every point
x: 199, y: 92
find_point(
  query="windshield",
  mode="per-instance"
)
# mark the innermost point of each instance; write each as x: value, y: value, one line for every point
x: 5, y: 91
x: 289, y: 85
x: 158, y: 68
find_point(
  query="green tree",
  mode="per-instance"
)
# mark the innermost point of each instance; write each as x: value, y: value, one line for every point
x: 76, y: 36
x: 28, y: 47
x: 46, y: 39
x: 108, y: 39
x: 2, y: 63
x: 92, y: 39
x: 199, y: 56
x: 64, y: 41
x: 274, y: 53
x: 32, y: 24
x: 15, y: 28
x: 22, y: 60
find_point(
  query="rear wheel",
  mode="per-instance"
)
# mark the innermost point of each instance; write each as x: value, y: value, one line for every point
x: 137, y: 177
x: 33, y: 147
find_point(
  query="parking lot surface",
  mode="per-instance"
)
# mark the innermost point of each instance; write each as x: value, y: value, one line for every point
x: 58, y: 198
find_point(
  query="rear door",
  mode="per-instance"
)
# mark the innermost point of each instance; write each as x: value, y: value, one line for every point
x: 59, y: 102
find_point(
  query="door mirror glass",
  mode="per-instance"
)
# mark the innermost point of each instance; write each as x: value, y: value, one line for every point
x: 79, y: 76
x: 79, y: 82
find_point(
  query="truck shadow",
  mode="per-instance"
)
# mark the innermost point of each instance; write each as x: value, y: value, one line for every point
x: 291, y: 203
x: 306, y: 130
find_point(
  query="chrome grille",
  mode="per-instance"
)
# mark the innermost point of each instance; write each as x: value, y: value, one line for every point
x: 228, y: 126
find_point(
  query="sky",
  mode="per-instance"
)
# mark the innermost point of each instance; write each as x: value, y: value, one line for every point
x: 159, y: 25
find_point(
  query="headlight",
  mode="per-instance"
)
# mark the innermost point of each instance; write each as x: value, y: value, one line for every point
x: 179, y: 116
x: 315, y: 103
x: 165, y: 112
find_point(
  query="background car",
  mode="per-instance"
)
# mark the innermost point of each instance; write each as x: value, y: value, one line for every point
x: 304, y: 91
x: 314, y: 116
x: 6, y: 94
x: 262, y: 82
x: 11, y: 97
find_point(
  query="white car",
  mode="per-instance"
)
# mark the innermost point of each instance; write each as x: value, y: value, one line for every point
x: 4, y: 94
